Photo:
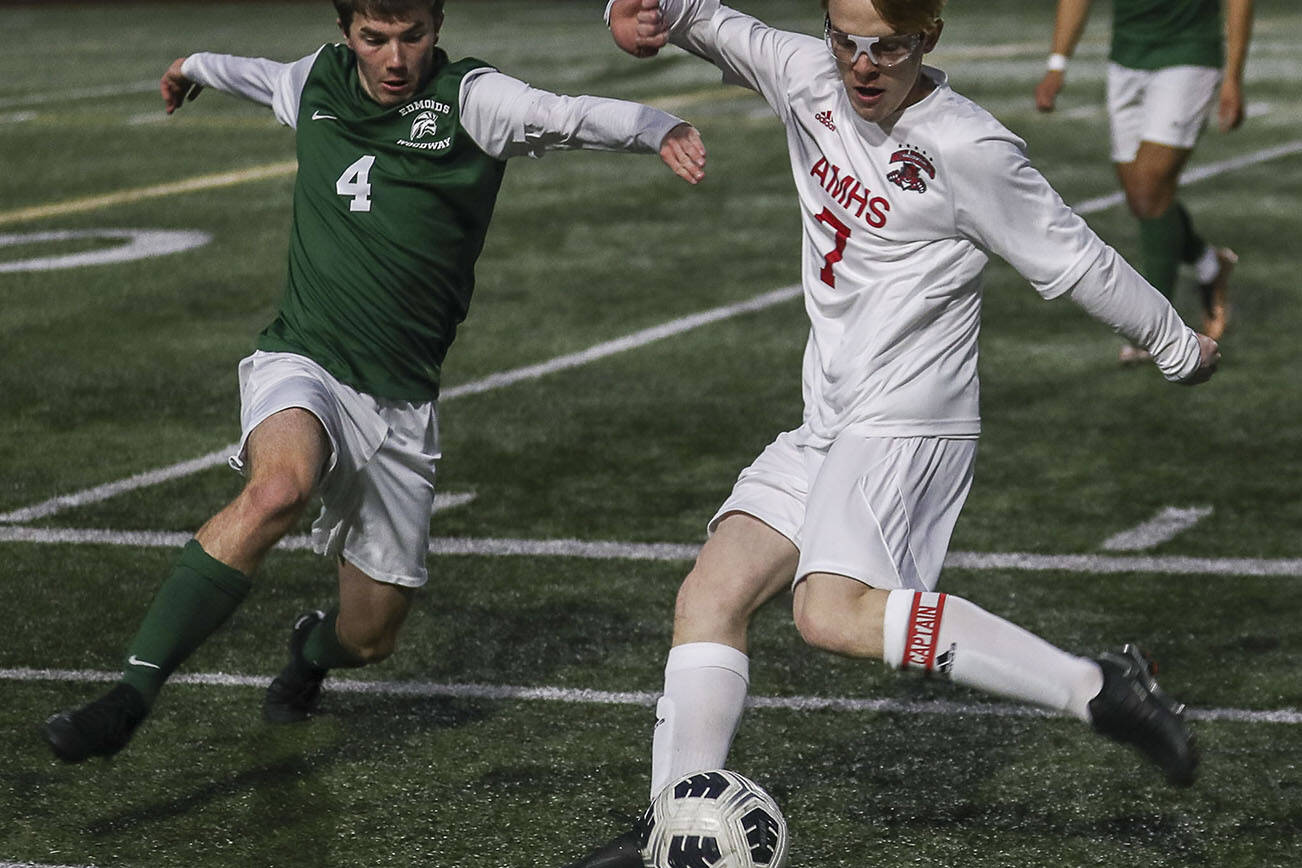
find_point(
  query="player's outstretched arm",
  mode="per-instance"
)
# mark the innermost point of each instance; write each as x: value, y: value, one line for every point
x: 1067, y: 30
x: 176, y: 88
x: 684, y: 153
x: 638, y: 26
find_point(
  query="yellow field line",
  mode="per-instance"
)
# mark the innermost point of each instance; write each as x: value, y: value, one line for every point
x: 138, y: 194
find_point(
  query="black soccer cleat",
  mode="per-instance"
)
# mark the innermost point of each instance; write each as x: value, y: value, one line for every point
x: 1132, y: 709
x: 293, y: 694
x: 99, y: 728
x: 625, y: 851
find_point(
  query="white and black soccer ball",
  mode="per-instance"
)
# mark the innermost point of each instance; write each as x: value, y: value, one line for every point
x: 714, y: 819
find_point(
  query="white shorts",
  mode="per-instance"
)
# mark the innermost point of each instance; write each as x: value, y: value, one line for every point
x: 377, y: 489
x: 1165, y: 106
x: 879, y: 510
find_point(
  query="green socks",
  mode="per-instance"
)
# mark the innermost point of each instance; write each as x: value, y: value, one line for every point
x: 1165, y: 242
x: 197, y: 598
x: 323, y: 649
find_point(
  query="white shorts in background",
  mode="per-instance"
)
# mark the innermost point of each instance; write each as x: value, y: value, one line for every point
x: 880, y: 510
x: 377, y: 489
x: 1165, y: 106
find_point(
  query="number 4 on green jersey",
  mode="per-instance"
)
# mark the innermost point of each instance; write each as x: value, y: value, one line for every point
x: 356, y: 182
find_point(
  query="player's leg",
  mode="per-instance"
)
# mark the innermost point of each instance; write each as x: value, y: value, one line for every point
x: 363, y: 629
x: 1166, y: 234
x: 947, y: 636
x: 743, y: 565
x: 944, y: 635
x: 879, y: 522
x: 748, y: 558
x: 865, y: 589
x: 375, y: 520
x: 285, y: 453
x: 1157, y: 117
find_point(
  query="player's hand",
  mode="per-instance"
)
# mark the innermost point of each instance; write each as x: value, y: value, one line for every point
x: 684, y: 153
x: 176, y: 88
x: 1046, y: 92
x: 1230, y: 112
x: 1209, y: 357
x: 639, y: 27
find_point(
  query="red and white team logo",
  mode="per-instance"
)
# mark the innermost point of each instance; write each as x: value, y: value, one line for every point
x: 914, y: 164
x: 825, y: 118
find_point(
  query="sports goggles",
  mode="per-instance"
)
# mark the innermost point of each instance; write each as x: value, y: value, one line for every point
x: 883, y: 51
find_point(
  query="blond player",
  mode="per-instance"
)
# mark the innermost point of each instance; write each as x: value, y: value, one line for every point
x: 904, y: 188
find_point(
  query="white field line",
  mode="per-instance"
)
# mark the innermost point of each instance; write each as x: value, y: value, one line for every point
x: 1101, y: 564
x: 104, y: 492
x: 646, y: 698
x: 493, y: 381
x: 1200, y: 173
x: 48, y: 97
x: 1163, y: 527
x: 613, y: 550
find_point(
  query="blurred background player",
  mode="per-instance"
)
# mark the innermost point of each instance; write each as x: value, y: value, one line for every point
x: 1169, y: 64
x: 400, y: 156
x: 902, y: 185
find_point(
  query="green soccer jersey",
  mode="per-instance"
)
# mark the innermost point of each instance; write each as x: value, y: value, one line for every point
x: 1154, y: 34
x: 391, y: 207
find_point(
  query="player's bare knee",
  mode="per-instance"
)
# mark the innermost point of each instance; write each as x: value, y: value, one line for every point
x: 829, y: 613
x: 1148, y: 200
x: 712, y: 602
x: 275, y: 498
x: 821, y: 630
x: 371, y: 647
x: 375, y: 653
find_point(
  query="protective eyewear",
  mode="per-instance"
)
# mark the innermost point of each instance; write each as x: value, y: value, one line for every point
x: 883, y: 51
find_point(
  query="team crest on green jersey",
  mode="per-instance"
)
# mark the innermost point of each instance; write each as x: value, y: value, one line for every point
x: 425, y: 125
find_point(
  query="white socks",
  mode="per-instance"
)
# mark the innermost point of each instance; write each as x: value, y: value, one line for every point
x: 696, y: 718
x: 949, y: 636
x: 1208, y: 265
x: 706, y: 682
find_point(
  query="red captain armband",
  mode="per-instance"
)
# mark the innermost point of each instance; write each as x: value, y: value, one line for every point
x: 922, y: 632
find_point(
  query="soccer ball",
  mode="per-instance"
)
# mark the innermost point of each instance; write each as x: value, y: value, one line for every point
x: 714, y: 819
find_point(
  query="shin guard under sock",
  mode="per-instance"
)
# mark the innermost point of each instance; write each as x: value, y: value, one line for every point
x: 696, y: 718
x: 196, y: 599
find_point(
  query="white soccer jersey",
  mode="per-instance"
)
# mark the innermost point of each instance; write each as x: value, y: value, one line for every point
x: 896, y: 222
